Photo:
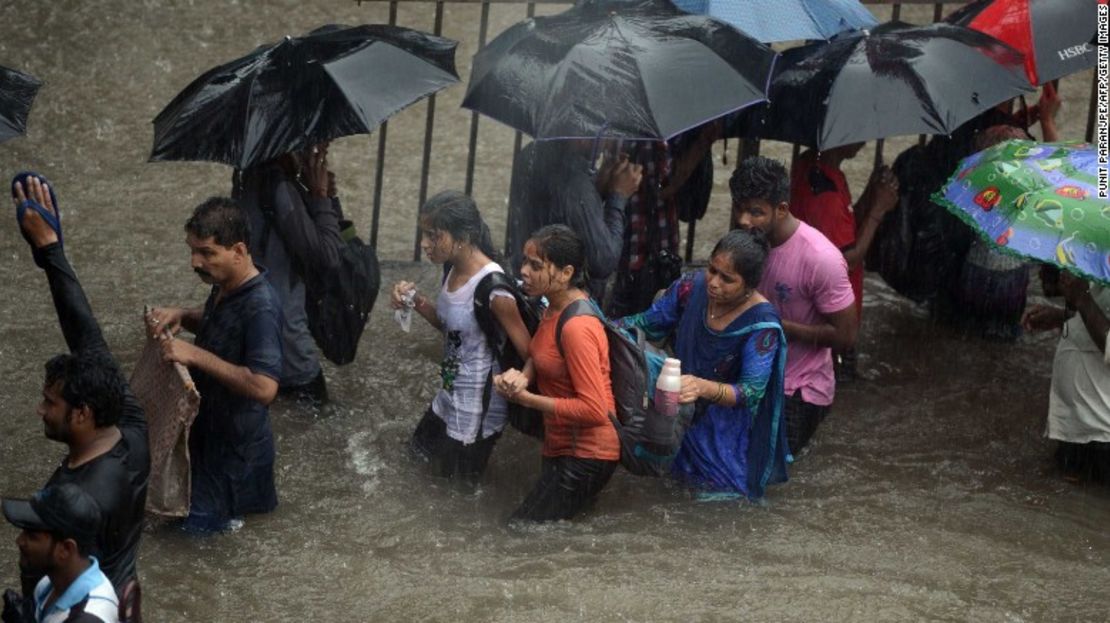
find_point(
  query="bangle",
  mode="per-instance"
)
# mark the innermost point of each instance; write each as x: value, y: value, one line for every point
x: 720, y: 392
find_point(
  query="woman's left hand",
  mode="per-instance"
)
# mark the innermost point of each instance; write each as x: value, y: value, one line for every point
x: 691, y: 389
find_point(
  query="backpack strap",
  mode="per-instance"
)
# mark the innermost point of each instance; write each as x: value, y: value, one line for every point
x: 483, y: 312
x: 580, y: 307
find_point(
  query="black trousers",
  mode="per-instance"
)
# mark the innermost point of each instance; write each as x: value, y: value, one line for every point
x: 567, y: 486
x: 314, y: 392
x: 802, y: 420
x: 450, y: 458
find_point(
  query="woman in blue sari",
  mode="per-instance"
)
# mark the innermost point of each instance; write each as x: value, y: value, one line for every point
x: 733, y: 352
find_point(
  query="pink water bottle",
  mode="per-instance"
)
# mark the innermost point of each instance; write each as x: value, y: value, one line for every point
x: 668, y: 387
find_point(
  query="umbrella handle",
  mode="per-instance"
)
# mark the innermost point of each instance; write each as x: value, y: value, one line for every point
x: 597, y: 148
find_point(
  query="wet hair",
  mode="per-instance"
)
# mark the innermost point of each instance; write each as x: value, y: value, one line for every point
x: 759, y: 177
x: 456, y: 213
x: 221, y: 219
x: 89, y: 379
x: 562, y: 247
x: 747, y: 251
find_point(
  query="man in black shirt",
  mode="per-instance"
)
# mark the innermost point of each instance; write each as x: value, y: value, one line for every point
x: 86, y: 403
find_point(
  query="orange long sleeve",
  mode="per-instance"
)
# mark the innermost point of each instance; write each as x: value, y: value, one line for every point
x: 580, y: 385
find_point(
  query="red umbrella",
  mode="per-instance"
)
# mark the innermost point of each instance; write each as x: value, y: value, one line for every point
x: 1056, y: 36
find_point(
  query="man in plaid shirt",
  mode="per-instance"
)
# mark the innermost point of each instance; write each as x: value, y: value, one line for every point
x: 650, y: 258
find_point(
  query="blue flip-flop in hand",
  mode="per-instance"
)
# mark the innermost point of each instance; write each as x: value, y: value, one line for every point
x: 54, y: 220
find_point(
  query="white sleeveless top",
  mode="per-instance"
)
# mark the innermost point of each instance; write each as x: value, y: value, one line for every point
x: 468, y: 365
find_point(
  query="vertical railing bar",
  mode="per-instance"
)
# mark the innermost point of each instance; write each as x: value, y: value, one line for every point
x: 426, y: 164
x: 379, y: 173
x: 517, y: 139
x: 691, y: 231
x: 471, y: 153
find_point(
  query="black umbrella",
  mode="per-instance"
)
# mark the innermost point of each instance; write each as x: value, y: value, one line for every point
x: 1056, y: 36
x: 17, y: 91
x: 896, y: 79
x: 633, y: 68
x: 286, y: 96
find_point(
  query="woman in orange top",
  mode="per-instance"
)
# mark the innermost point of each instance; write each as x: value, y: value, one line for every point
x: 580, y: 444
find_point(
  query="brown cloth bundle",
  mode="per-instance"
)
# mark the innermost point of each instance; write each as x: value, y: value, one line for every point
x: 170, y: 399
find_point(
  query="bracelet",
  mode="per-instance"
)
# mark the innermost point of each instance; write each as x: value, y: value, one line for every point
x: 720, y: 392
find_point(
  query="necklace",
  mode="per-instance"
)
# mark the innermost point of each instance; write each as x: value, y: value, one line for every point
x: 719, y: 314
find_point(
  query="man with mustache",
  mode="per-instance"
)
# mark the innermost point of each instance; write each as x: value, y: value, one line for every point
x: 236, y: 363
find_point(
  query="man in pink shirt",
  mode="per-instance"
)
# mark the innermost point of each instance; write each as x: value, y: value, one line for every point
x: 806, y: 279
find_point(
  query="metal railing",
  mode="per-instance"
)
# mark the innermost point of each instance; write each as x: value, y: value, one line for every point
x: 746, y: 148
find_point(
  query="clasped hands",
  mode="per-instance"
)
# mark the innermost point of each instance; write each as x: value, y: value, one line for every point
x: 512, y: 384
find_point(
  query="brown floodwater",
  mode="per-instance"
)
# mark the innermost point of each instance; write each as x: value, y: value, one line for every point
x: 929, y: 493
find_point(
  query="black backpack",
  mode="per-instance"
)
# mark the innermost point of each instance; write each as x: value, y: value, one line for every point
x: 527, y: 421
x: 649, y: 440
x: 338, y: 302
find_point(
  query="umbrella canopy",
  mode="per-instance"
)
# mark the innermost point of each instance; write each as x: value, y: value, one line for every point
x: 17, y: 92
x: 894, y: 80
x: 785, y: 20
x: 1056, y: 36
x: 638, y: 69
x: 1036, y: 200
x: 286, y: 96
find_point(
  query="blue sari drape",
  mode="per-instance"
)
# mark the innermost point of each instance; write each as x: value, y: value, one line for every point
x: 740, y: 448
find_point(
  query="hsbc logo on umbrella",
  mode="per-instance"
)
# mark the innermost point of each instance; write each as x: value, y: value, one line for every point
x: 1074, y: 51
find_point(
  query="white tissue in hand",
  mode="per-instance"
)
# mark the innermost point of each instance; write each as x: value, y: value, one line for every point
x: 403, y: 316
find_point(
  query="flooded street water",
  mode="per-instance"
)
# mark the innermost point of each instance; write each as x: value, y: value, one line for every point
x: 929, y: 493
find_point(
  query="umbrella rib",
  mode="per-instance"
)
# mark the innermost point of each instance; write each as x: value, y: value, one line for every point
x: 639, y: 77
x: 250, y: 98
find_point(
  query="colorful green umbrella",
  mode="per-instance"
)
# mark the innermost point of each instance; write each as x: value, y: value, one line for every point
x: 1036, y: 200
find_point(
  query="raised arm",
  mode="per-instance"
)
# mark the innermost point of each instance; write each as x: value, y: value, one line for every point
x: 600, y: 222
x: 75, y: 316
x: 310, y: 230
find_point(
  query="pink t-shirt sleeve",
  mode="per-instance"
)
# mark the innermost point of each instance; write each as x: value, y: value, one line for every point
x: 830, y: 286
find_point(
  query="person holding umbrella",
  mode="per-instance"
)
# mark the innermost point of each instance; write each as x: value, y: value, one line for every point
x: 819, y: 195
x: 553, y: 183
x: 294, y: 216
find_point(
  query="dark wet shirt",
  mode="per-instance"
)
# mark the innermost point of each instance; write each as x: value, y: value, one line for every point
x: 117, y: 480
x: 552, y: 184
x: 231, y: 441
